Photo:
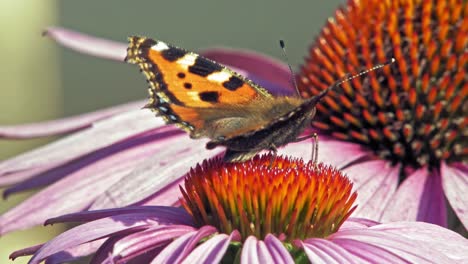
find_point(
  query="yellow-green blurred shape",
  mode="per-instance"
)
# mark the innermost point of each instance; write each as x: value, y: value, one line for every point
x: 29, y: 92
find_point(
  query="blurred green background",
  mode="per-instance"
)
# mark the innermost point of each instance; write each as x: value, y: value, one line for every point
x: 40, y: 80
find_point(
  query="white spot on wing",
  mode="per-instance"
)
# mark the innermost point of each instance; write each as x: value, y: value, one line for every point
x: 160, y: 46
x: 187, y: 60
x: 219, y: 76
x: 194, y: 95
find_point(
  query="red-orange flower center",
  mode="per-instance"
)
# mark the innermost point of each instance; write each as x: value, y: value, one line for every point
x: 415, y: 112
x: 290, y: 199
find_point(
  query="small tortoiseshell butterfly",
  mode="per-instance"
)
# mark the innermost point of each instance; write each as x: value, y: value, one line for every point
x: 209, y: 100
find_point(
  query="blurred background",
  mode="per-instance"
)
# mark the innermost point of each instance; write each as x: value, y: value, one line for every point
x: 39, y: 80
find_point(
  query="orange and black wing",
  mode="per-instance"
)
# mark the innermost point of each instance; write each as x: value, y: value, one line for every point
x: 189, y: 90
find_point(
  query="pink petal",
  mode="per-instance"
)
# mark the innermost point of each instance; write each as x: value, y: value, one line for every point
x: 20, y: 176
x: 249, y: 251
x: 25, y: 251
x: 87, y: 44
x: 157, y: 172
x: 367, y: 252
x: 65, y: 125
x: 165, y: 196
x: 323, y: 251
x: 375, y: 183
x: 129, y: 151
x: 259, y: 65
x: 277, y: 250
x: 95, y: 230
x: 80, y: 187
x: 419, y: 198
x: 101, y: 134
x: 203, y: 232
x: 263, y: 253
x: 455, y: 184
x: 178, y: 215
x: 353, y: 223
x: 75, y: 253
x: 429, y: 236
x: 172, y: 252
x: 138, y: 243
x: 403, y: 242
x: 211, y: 250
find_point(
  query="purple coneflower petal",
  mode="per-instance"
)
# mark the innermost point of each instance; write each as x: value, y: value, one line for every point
x: 87, y: 44
x: 257, y: 251
x: 136, y: 244
x: 212, y: 250
x: 324, y: 251
x: 454, y: 182
x: 76, y: 252
x: 170, y: 214
x: 249, y: 251
x: 105, y: 227
x: 81, y: 187
x: 431, y: 236
x: 375, y: 182
x: 25, y: 251
x: 161, y: 169
x: 64, y: 125
x: 101, y: 134
x: 419, y: 197
x: 277, y: 250
x: 400, y: 242
x: 176, y: 251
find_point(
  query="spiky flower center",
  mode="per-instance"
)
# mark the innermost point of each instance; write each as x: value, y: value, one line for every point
x: 290, y: 199
x: 413, y: 113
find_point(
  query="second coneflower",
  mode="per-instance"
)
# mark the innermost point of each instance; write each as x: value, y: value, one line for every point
x: 412, y: 115
x: 252, y: 212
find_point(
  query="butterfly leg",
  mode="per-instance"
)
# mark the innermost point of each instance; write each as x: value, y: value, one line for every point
x: 273, y: 150
x: 314, y: 136
x: 315, y: 146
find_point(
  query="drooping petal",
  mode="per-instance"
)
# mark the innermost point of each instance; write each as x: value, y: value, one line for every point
x: 257, y: 66
x: 403, y: 242
x: 419, y: 198
x: 102, y: 134
x: 181, y: 247
x: 250, y: 251
x: 277, y: 250
x: 136, y: 244
x: 430, y: 237
x: 75, y: 253
x: 353, y: 223
x: 64, y: 125
x: 257, y: 251
x: 125, y: 154
x: 322, y: 251
x: 455, y: 183
x: 25, y: 251
x: 81, y: 186
x: 170, y: 213
x: 87, y: 44
x: 375, y: 183
x: 174, y: 159
x: 102, y: 228
x: 211, y: 250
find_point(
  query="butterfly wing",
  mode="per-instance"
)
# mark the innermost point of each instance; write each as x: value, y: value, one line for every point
x: 199, y: 95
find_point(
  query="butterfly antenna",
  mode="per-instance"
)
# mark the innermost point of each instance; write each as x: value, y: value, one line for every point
x: 366, y: 71
x: 348, y: 77
x: 293, y: 80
